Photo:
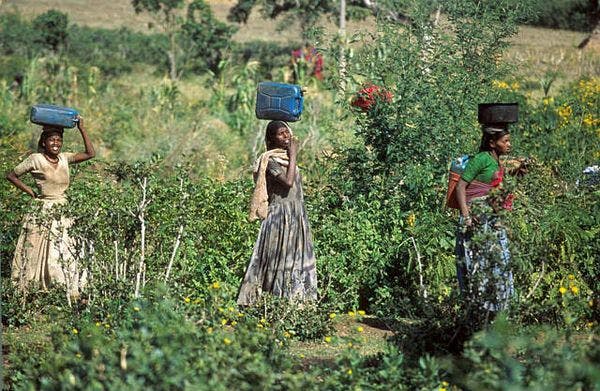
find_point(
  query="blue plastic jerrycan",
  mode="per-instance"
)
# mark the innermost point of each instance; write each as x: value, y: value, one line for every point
x: 279, y: 101
x: 51, y: 115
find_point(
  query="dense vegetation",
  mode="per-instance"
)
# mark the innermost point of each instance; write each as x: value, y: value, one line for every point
x: 174, y: 166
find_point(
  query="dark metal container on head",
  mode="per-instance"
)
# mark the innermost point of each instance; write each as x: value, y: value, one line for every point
x: 498, y: 113
x: 52, y: 115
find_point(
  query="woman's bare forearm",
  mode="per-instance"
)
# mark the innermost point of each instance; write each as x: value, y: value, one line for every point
x: 14, y: 179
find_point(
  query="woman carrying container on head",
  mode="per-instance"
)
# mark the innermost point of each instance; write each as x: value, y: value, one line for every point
x: 283, y: 261
x: 45, y: 253
x: 483, y: 258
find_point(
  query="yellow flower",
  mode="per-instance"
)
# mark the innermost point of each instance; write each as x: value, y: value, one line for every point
x: 349, y: 371
x: 411, y: 220
x: 260, y: 326
x: 209, y: 330
x: 216, y: 285
x: 590, y: 325
x: 136, y: 309
x: 445, y: 384
x: 226, y: 341
x: 233, y: 323
x: 75, y: 331
x: 442, y: 389
x: 223, y: 322
x: 287, y: 335
x: 240, y: 314
x: 332, y: 315
x: 350, y: 344
x: 187, y: 300
x: 230, y: 309
x: 574, y: 289
x: 360, y: 329
x: 571, y: 277
x: 500, y: 84
x: 107, y: 326
x: 564, y: 111
x: 562, y: 290
x: 351, y: 313
x: 548, y: 101
x: 78, y: 355
x: 361, y: 313
x: 263, y: 321
x: 515, y: 86
x: 98, y: 324
x: 301, y: 356
x: 591, y: 303
x: 327, y: 339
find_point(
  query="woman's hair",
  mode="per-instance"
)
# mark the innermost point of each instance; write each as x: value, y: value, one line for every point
x: 47, y: 132
x: 272, y: 129
x: 491, y: 133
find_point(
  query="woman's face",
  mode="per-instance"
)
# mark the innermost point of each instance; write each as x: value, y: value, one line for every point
x: 502, y: 145
x: 52, y: 144
x: 281, y: 138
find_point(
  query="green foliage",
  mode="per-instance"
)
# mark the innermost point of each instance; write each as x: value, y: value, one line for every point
x: 305, y: 13
x: 270, y: 56
x: 156, y: 346
x: 537, y: 358
x: 204, y: 39
x: 195, y: 42
x: 579, y: 15
x: 52, y: 27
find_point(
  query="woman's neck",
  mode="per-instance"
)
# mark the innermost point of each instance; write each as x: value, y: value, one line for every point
x: 51, y: 158
x: 495, y: 155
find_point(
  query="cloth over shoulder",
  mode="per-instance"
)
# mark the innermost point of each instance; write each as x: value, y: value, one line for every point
x: 259, y: 204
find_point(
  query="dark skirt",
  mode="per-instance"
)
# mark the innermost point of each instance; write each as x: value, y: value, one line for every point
x: 283, y: 261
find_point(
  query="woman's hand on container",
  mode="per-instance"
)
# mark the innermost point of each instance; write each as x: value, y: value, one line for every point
x: 80, y: 125
x: 293, y: 147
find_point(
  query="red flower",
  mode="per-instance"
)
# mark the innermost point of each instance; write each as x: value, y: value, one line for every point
x: 367, y: 96
x: 508, y: 202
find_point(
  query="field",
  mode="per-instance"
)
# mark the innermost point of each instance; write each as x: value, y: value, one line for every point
x: 161, y: 211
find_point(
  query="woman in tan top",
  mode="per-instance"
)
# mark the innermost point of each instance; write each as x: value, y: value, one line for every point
x: 45, y: 253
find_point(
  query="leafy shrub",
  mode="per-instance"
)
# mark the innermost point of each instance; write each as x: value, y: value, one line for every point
x: 52, y: 29
x: 155, y: 346
x: 536, y: 358
x: 576, y: 15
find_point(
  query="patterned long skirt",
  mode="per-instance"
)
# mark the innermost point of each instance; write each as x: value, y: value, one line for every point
x: 483, y: 264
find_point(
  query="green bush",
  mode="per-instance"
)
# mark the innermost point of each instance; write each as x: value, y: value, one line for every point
x: 576, y: 15
x: 155, y: 346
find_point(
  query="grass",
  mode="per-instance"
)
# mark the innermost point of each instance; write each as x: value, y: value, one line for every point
x: 370, y: 341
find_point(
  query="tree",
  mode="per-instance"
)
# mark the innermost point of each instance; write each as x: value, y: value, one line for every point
x: 195, y: 40
x: 165, y: 14
x: 593, y: 39
x: 308, y: 12
x: 203, y: 38
x: 51, y: 27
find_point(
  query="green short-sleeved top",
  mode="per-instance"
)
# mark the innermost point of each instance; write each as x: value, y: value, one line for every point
x: 483, y: 168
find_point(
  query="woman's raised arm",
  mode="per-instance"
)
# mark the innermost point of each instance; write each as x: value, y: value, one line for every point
x: 89, y: 148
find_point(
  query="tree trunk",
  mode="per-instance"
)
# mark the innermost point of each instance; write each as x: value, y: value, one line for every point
x: 342, y: 46
x: 172, y: 54
x: 592, y: 41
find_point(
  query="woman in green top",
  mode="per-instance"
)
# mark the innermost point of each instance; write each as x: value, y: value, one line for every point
x: 483, y: 264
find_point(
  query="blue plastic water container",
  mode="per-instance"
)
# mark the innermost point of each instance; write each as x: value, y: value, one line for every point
x: 51, y: 115
x: 279, y: 101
